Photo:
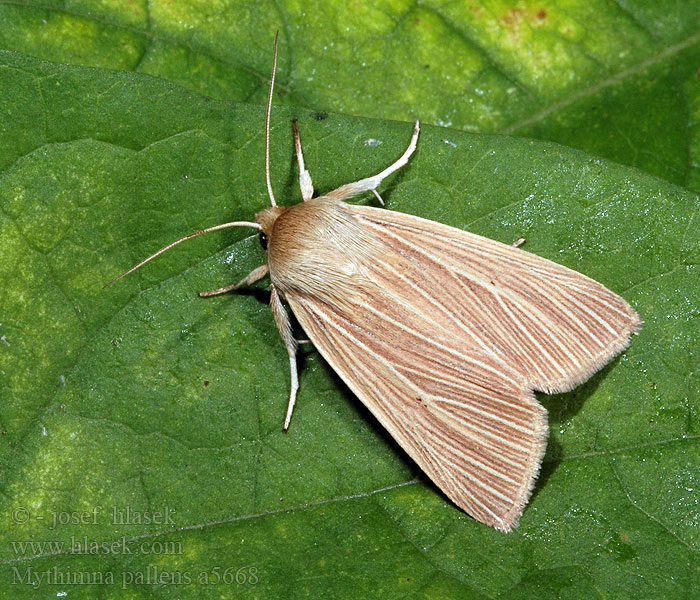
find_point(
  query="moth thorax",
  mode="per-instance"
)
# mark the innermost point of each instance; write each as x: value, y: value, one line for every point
x: 318, y: 249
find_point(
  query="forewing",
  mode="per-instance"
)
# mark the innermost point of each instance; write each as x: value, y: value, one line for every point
x: 443, y: 335
x: 466, y: 418
x: 554, y: 325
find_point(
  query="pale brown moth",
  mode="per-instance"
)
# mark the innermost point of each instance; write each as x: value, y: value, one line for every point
x: 441, y: 333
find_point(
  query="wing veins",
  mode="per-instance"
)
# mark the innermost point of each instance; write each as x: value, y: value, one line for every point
x: 521, y: 301
x: 482, y: 466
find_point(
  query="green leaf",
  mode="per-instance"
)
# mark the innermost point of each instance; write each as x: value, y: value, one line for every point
x: 144, y: 397
x: 618, y: 79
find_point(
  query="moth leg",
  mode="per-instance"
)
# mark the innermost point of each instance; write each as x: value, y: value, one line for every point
x: 517, y: 243
x: 371, y: 183
x: 285, y: 328
x: 305, y: 183
x: 252, y: 277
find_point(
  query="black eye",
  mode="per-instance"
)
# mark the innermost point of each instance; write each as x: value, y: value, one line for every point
x: 263, y: 240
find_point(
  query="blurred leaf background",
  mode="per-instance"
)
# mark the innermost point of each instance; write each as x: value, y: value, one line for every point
x: 143, y: 397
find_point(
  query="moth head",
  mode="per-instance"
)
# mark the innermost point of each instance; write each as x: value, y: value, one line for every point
x: 267, y: 218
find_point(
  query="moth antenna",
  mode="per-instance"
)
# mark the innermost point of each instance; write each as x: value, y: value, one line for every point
x: 182, y: 239
x: 267, y: 123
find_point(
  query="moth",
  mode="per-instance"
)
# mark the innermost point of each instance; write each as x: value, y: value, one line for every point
x: 443, y: 334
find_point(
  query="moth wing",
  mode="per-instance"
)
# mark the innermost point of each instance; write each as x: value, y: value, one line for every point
x: 444, y: 338
x: 554, y: 325
x: 466, y: 418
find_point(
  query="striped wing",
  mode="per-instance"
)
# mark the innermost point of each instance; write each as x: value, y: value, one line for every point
x: 465, y: 417
x: 447, y: 343
x: 554, y: 325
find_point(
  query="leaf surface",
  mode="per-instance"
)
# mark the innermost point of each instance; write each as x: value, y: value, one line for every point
x: 617, y: 79
x: 143, y: 397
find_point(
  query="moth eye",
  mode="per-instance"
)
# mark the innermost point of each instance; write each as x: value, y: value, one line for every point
x: 263, y: 240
